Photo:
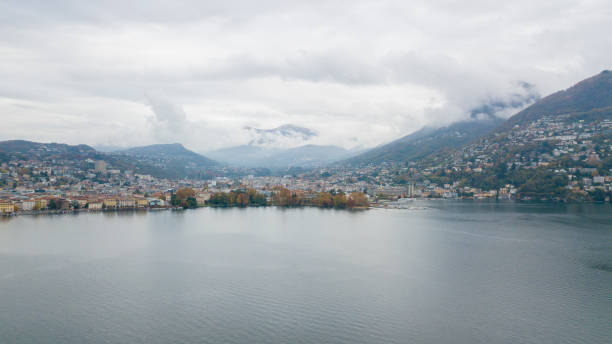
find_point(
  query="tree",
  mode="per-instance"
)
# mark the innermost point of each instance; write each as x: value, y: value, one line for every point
x: 242, y: 199
x: 237, y: 198
x: 598, y: 195
x: 340, y: 201
x: 357, y: 200
x: 183, y: 193
x: 286, y: 198
x: 52, y: 204
x: 190, y: 203
x: 324, y: 200
x: 256, y: 198
x: 185, y: 198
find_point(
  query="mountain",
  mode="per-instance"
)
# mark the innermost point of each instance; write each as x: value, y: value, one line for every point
x: 173, y: 158
x: 593, y: 95
x: 25, y: 150
x: 170, y: 151
x: 75, y: 155
x: 428, y: 141
x: 281, y: 158
x: 57, y: 149
x: 556, y: 149
x: 590, y: 99
x: 163, y: 161
x: 283, y: 147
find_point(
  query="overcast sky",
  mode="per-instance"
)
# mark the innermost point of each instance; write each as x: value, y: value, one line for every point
x: 358, y: 73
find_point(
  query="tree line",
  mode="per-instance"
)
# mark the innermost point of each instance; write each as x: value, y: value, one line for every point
x: 237, y: 198
x: 284, y: 197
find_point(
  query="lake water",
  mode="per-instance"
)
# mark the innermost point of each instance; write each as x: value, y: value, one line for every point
x: 454, y: 272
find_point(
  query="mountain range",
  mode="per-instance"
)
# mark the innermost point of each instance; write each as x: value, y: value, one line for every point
x: 587, y: 101
x: 427, y: 141
x: 164, y: 161
x: 172, y: 158
x: 173, y: 151
x: 281, y: 158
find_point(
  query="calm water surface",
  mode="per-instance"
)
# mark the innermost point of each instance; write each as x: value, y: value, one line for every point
x: 451, y: 273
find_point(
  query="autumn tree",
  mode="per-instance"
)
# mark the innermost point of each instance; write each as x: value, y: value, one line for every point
x: 255, y: 198
x: 242, y: 199
x: 185, y: 198
x: 339, y: 200
x: 324, y: 200
x: 239, y: 198
x: 183, y: 193
x: 357, y: 200
x: 286, y: 198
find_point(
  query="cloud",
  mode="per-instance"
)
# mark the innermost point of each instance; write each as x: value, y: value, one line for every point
x: 286, y: 135
x: 359, y: 73
x: 504, y: 107
x: 169, y: 119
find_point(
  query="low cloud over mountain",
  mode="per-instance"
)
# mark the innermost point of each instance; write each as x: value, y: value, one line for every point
x: 505, y: 107
x: 280, y: 137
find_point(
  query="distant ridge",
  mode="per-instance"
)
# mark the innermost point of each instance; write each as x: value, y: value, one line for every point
x: 176, y: 160
x: 281, y: 158
x: 163, y: 161
x: 23, y: 146
x: 427, y: 141
x: 174, y: 151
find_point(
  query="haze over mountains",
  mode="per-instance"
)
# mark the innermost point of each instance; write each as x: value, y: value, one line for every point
x: 590, y: 98
x: 279, y: 158
x: 282, y: 147
x: 288, y: 146
x: 429, y: 140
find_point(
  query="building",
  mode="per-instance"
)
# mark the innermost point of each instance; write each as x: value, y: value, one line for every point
x: 62, y: 204
x: 41, y: 203
x: 6, y: 207
x: 82, y: 202
x: 94, y: 205
x: 156, y: 202
x: 126, y: 203
x: 142, y: 203
x: 110, y: 203
x: 100, y: 166
x: 28, y: 204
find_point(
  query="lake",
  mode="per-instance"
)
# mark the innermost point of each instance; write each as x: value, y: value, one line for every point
x: 442, y: 272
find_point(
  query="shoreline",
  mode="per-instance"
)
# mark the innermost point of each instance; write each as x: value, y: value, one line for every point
x: 79, y: 211
x: 389, y: 205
